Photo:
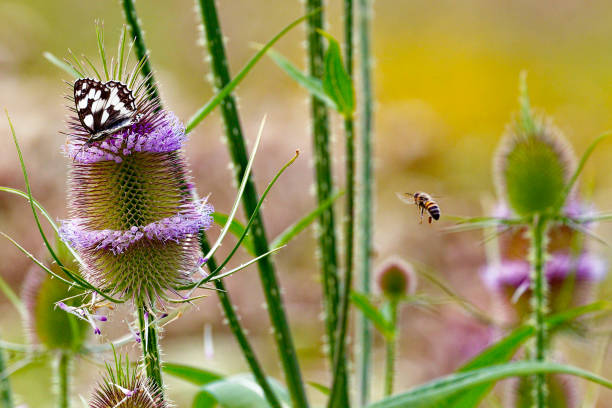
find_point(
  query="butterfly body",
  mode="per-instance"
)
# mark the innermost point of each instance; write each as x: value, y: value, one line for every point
x: 104, y: 108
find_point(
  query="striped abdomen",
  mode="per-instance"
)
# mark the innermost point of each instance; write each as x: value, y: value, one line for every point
x: 433, y: 209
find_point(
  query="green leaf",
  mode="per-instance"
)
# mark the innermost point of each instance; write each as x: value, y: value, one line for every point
x: 319, y: 387
x: 237, y: 229
x: 432, y: 393
x: 337, y: 82
x: 287, y: 235
x: 311, y: 84
x: 503, y: 350
x: 216, y: 100
x: 373, y: 314
x: 238, y: 391
x: 194, y: 375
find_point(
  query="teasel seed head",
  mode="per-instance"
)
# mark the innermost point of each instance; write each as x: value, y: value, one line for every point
x: 396, y: 278
x: 126, y: 387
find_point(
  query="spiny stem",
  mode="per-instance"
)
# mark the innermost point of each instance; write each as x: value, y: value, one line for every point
x: 6, y: 392
x: 62, y: 374
x: 390, y: 347
x: 129, y: 10
x: 238, y: 152
x: 324, y: 188
x: 149, y: 341
x: 238, y: 331
x: 539, y: 288
x: 339, y: 396
x: 364, y: 330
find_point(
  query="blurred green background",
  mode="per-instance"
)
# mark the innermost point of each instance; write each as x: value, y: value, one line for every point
x: 446, y: 76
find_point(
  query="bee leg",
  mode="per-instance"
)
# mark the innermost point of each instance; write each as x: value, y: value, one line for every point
x: 421, y: 211
x: 430, y: 220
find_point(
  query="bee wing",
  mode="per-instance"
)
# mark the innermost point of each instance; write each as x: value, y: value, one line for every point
x: 405, y: 197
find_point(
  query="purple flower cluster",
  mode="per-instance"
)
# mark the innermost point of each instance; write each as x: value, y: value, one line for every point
x: 162, y: 133
x: 173, y: 228
x: 585, y: 267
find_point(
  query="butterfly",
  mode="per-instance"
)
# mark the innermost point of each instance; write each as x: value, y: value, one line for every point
x: 104, y: 108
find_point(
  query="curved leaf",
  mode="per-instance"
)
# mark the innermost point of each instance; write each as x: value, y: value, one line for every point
x: 194, y: 375
x: 430, y: 394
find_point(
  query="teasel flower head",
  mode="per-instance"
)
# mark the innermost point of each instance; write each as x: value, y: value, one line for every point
x: 45, y: 323
x: 134, y: 214
x: 125, y: 387
x: 532, y: 166
x: 396, y: 278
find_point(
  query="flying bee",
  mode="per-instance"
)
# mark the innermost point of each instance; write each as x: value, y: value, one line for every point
x: 424, y: 202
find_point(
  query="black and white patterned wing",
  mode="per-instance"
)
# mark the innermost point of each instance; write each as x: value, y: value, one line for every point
x: 103, y: 108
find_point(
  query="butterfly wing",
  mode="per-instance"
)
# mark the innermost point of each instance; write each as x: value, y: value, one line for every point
x: 103, y: 107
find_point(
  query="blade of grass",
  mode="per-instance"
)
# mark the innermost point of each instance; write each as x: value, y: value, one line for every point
x: 6, y: 391
x: 236, y: 228
x: 288, y: 234
x: 428, y: 394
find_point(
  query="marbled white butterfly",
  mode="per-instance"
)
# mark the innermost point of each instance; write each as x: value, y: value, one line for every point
x: 104, y: 108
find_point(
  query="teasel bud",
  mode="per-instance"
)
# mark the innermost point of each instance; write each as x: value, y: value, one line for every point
x: 533, y: 166
x: 125, y: 387
x: 396, y: 278
x: 135, y: 218
x: 47, y: 324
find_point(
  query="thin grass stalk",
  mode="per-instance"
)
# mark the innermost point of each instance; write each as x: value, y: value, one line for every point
x: 6, y: 392
x: 390, y: 351
x: 339, y: 396
x: 234, y: 324
x: 63, y: 368
x: 323, y: 175
x: 129, y: 10
x: 238, y: 153
x: 149, y: 341
x: 539, y: 288
x: 364, y: 221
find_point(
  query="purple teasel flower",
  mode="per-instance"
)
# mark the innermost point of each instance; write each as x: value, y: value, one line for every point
x: 134, y: 216
x: 568, y: 266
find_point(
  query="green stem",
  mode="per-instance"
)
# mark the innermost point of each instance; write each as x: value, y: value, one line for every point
x: 63, y: 368
x: 339, y: 396
x: 238, y: 152
x: 390, y: 351
x: 129, y: 10
x: 539, y: 288
x: 238, y: 331
x: 324, y: 188
x: 364, y: 330
x: 149, y: 341
x: 6, y: 392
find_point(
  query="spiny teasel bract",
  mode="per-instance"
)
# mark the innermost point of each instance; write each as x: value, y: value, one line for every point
x: 532, y: 167
x: 134, y: 213
x: 126, y: 387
